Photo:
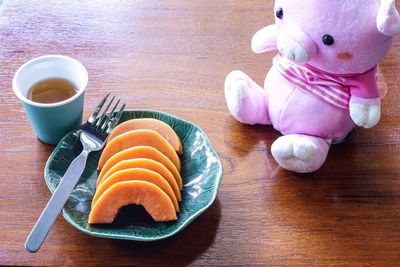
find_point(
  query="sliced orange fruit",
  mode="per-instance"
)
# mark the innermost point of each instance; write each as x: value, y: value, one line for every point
x: 155, y: 201
x: 141, y: 152
x: 148, y: 164
x: 152, y: 124
x: 139, y: 138
x: 136, y: 174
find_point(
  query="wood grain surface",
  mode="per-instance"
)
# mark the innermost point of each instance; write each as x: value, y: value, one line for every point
x: 173, y: 56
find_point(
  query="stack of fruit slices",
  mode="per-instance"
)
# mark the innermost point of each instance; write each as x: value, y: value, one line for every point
x: 139, y: 165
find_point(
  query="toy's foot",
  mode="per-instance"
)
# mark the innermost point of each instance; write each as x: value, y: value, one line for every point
x: 300, y: 153
x: 245, y: 99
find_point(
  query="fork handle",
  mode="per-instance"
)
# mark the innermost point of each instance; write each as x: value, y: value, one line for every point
x: 56, y: 203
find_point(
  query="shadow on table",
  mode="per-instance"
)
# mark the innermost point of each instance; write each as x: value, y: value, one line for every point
x: 183, y: 248
x: 388, y: 70
x: 347, y: 207
x: 243, y: 139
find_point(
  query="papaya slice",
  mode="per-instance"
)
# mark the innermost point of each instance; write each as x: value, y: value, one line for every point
x: 148, y: 164
x: 154, y: 200
x: 152, y: 124
x: 141, y: 152
x: 136, y: 174
x: 140, y: 137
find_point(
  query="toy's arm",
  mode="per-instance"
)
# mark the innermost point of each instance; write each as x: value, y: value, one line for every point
x: 365, y: 112
x: 265, y: 39
x: 365, y: 103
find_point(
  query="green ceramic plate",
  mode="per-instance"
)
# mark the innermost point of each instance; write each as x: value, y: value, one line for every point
x: 201, y: 174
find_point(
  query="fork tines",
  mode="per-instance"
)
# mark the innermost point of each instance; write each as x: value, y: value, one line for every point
x: 107, y: 120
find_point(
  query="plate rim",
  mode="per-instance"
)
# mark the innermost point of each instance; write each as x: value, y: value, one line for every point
x: 219, y: 175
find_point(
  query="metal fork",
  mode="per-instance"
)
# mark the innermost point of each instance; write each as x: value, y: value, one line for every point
x: 92, y: 136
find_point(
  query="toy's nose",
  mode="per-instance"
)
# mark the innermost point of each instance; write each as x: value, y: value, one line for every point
x: 296, y: 45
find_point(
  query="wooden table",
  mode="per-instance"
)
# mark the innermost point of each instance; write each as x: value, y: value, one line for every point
x: 173, y: 56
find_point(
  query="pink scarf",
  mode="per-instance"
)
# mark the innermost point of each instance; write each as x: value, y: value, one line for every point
x: 330, y: 88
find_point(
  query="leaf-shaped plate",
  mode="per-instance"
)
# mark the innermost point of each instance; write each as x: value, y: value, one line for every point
x: 201, y: 175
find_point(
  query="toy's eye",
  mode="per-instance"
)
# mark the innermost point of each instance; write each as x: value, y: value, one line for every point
x: 279, y: 13
x: 328, y: 39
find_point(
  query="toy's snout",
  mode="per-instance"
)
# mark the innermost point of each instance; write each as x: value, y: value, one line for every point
x: 296, y: 45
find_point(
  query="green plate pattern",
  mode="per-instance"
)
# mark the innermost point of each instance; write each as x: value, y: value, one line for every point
x: 201, y: 174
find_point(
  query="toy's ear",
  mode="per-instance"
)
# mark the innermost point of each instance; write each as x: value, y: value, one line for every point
x: 388, y: 20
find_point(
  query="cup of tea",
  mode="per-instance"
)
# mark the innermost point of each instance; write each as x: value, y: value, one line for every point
x: 51, y: 89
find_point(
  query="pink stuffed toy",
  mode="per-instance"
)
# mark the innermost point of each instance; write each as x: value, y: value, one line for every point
x: 323, y: 80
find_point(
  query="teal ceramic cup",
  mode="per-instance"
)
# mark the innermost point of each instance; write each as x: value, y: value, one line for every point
x: 52, y: 121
